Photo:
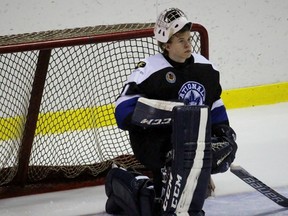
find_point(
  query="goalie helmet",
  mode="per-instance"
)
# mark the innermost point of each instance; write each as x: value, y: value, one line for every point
x: 169, y: 22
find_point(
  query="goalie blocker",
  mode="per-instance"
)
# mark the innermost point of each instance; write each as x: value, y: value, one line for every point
x: 153, y: 113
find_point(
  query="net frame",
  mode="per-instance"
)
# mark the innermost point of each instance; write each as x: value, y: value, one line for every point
x: 43, y: 44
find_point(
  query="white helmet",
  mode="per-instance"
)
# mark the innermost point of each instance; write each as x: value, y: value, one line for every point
x: 169, y: 22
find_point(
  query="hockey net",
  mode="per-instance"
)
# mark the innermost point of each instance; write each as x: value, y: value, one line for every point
x: 57, y: 103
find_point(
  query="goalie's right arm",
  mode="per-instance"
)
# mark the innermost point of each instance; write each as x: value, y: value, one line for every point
x: 125, y: 105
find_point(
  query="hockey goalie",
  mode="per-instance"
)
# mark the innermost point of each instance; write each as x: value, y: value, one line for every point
x: 178, y: 128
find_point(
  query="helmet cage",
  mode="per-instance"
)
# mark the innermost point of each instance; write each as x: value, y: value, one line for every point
x: 169, y: 22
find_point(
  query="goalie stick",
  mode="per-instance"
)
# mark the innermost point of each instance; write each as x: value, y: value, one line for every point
x: 259, y: 185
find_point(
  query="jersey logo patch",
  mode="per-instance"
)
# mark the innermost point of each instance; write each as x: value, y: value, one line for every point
x: 192, y: 93
x: 170, y: 77
x: 141, y: 64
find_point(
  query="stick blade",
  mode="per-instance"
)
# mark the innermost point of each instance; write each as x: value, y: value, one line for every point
x: 259, y: 185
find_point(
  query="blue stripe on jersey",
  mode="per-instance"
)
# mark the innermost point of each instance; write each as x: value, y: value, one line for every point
x: 218, y: 115
x: 123, y: 110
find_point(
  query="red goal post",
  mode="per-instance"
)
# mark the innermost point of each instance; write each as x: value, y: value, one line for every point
x: 57, y: 126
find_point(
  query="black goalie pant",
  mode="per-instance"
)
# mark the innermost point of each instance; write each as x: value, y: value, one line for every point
x: 191, y: 164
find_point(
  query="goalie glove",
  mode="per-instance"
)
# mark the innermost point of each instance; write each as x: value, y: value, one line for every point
x: 224, y: 148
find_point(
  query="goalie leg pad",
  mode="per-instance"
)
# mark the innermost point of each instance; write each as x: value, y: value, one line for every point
x: 191, y: 163
x: 112, y: 205
x: 146, y: 199
x: 128, y: 192
x: 121, y: 198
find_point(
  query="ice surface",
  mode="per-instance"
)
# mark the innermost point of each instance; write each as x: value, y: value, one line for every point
x: 263, y: 145
x: 245, y: 204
